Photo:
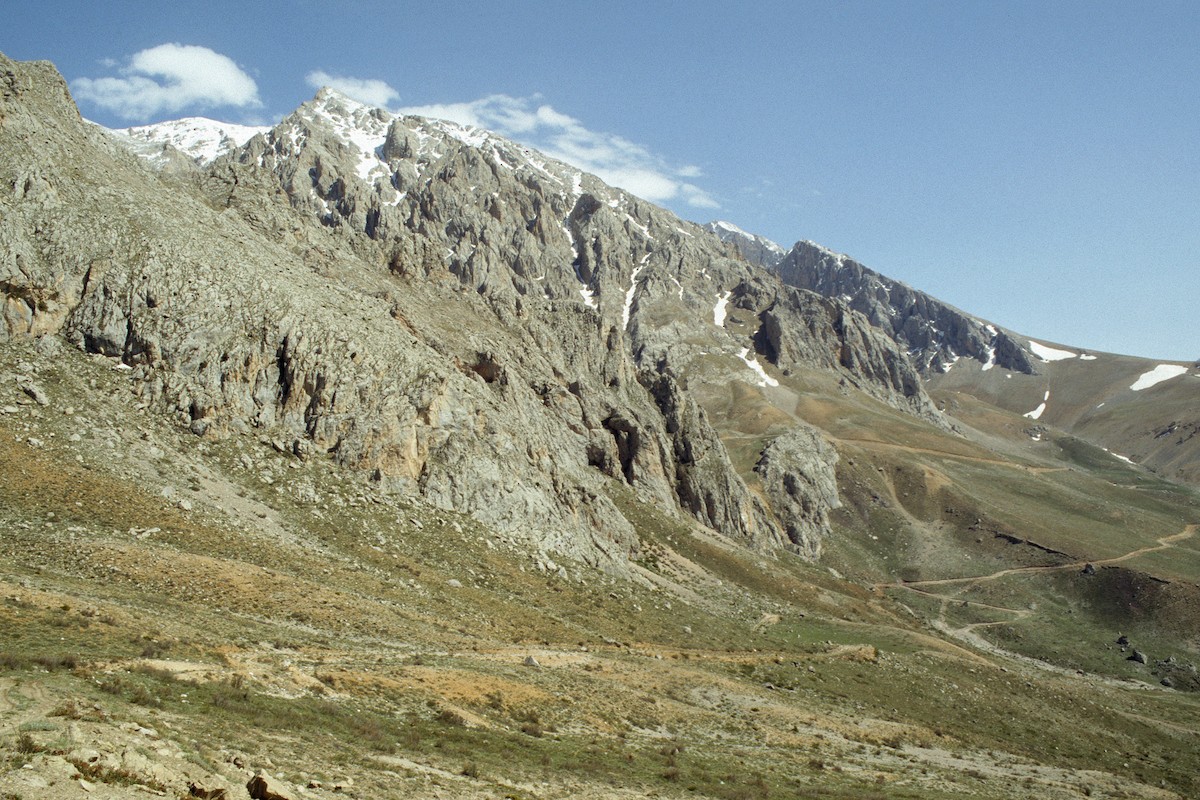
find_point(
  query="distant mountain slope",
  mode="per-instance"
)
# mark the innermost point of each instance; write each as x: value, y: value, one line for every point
x: 201, y: 140
x: 934, y: 334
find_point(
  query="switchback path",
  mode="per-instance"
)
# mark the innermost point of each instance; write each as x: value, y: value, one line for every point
x: 1164, y: 543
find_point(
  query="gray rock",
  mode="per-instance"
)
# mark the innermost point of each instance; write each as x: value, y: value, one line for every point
x: 798, y: 474
x: 35, y: 392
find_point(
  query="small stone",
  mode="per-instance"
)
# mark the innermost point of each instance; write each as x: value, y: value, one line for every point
x: 454, y: 583
x: 530, y: 661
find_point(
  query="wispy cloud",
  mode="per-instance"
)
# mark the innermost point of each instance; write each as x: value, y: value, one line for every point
x: 167, y: 79
x: 614, y: 158
x: 371, y: 91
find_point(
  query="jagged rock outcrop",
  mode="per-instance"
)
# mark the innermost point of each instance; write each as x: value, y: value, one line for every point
x: 933, y: 333
x: 437, y: 305
x: 798, y: 473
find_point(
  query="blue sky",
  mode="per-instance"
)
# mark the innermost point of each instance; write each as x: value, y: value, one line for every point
x: 1034, y: 163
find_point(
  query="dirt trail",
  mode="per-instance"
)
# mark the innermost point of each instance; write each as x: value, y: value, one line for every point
x: 967, y: 633
x: 879, y: 444
x: 1164, y: 543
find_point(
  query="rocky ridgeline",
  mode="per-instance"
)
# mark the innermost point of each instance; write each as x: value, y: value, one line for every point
x: 752, y: 247
x: 443, y: 308
x: 933, y: 333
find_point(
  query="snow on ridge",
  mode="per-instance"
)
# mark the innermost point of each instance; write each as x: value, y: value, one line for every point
x: 730, y: 227
x: 764, y: 379
x: 719, y: 309
x: 200, y: 138
x: 1046, y: 353
x: 1163, y: 372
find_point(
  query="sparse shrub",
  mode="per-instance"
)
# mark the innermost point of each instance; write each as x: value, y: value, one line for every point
x: 12, y: 661
x: 448, y: 716
x: 38, y: 725
x: 26, y: 745
x: 155, y: 649
x: 470, y: 769
x: 371, y: 732
x: 56, y: 662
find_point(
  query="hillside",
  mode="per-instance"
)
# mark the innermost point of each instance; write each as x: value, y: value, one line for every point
x: 379, y: 456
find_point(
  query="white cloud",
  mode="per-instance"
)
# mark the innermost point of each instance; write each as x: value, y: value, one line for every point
x: 365, y: 90
x: 615, y: 159
x: 167, y: 79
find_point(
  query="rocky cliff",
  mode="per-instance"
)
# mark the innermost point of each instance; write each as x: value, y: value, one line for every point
x: 448, y: 311
x: 933, y: 333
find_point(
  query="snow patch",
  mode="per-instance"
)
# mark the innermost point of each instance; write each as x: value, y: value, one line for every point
x: 719, y: 309
x: 589, y: 297
x: 629, y: 295
x: 1037, y: 412
x: 1163, y: 372
x: 1086, y: 357
x: 1049, y: 353
x: 1118, y: 456
x: 763, y: 378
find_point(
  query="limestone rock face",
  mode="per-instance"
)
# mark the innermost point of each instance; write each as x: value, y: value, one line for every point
x: 932, y: 332
x: 797, y: 471
x: 452, y: 312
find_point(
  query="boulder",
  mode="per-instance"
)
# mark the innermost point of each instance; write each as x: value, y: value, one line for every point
x: 263, y: 787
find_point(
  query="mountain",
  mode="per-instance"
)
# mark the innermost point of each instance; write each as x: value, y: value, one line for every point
x: 382, y: 456
x: 754, y: 248
x: 1099, y: 397
x: 202, y: 140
